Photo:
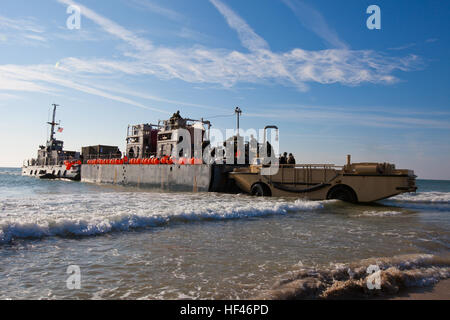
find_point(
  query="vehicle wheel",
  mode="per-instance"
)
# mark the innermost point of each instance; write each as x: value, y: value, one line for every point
x: 342, y: 193
x: 258, y: 190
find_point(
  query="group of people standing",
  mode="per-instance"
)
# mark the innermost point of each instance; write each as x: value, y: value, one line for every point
x: 285, y: 159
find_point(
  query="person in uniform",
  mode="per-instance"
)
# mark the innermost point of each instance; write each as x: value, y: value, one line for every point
x: 175, y: 117
x: 283, y: 158
x: 291, y: 159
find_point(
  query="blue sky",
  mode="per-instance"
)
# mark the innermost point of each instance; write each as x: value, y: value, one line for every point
x: 313, y: 68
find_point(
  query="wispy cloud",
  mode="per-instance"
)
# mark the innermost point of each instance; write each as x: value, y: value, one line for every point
x: 353, y: 118
x: 403, y: 47
x: 203, y: 65
x: 158, y: 9
x: 21, y: 24
x: 412, y: 44
x: 21, y: 30
x: 314, y: 21
x: 35, y: 37
x: 218, y: 66
x: 188, y: 33
x: 248, y: 37
x: 153, y: 97
x: 82, y: 35
x: 112, y: 28
x: 44, y: 78
x: 12, y: 80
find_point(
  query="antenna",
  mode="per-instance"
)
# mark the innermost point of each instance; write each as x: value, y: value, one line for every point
x: 238, y: 112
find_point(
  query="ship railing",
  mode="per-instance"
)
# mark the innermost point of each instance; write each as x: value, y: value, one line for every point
x: 310, y: 165
x: 59, y: 162
x: 48, y: 162
x: 108, y: 156
x: 116, y: 156
x: 33, y: 162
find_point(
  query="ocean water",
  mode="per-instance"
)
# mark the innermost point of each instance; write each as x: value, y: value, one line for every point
x: 135, y: 244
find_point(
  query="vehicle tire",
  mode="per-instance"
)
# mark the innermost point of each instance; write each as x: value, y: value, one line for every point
x: 342, y: 193
x: 258, y: 190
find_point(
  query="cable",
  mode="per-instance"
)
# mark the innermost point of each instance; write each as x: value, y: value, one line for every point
x: 221, y: 116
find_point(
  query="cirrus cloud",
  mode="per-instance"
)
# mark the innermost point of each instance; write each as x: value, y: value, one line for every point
x: 202, y: 65
x: 199, y: 64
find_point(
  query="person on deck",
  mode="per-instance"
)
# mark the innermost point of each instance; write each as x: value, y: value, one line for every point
x: 291, y: 159
x: 283, y: 158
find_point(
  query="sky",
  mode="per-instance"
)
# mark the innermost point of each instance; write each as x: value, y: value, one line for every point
x: 313, y: 68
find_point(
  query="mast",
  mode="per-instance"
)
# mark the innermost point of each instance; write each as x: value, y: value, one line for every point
x: 238, y: 112
x: 53, y: 123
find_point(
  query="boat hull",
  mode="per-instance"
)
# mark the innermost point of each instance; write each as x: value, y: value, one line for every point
x: 52, y: 172
x: 178, y: 178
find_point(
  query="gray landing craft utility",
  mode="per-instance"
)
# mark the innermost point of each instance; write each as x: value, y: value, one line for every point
x: 147, y: 164
x: 52, y: 160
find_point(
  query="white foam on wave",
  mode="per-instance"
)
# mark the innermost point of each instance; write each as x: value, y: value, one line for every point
x: 374, y: 213
x: 432, y: 200
x: 424, y: 197
x: 350, y: 280
x: 94, y: 214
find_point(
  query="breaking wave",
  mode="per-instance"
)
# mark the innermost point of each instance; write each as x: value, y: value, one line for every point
x: 351, y: 280
x: 424, y: 197
x: 88, y: 215
x: 432, y: 200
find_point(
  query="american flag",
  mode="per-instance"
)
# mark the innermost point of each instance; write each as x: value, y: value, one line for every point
x: 60, y: 129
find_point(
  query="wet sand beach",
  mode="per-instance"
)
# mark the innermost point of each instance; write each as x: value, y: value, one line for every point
x: 440, y: 291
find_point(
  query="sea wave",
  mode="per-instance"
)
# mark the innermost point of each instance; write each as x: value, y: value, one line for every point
x: 10, y: 171
x: 432, y: 200
x: 375, y: 213
x: 351, y: 280
x: 88, y: 215
x: 424, y: 197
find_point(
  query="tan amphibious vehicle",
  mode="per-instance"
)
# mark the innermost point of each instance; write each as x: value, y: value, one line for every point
x: 354, y: 182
